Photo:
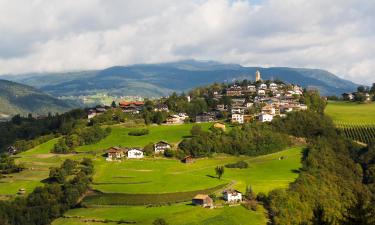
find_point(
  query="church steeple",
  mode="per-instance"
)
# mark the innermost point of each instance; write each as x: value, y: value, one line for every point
x: 257, y: 76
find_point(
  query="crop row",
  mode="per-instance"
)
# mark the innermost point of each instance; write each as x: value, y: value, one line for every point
x: 358, y: 132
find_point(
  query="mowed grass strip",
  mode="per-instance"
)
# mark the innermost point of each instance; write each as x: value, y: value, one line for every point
x: 145, y: 199
x: 119, y: 136
x: 177, y: 214
x: 351, y: 112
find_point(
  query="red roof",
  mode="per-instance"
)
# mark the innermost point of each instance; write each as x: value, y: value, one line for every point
x: 124, y: 103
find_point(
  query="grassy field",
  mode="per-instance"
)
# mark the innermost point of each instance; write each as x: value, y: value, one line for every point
x: 119, y: 136
x: 178, y: 214
x: 168, y: 175
x: 351, y: 113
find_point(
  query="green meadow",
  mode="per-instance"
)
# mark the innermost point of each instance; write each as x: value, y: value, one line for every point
x: 158, y: 175
x: 177, y: 214
x: 119, y: 136
x: 351, y: 112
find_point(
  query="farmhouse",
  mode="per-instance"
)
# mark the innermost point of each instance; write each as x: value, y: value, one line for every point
x: 115, y: 153
x: 135, y: 153
x: 203, y: 200
x: 232, y: 196
x: 161, y: 146
x: 131, y: 107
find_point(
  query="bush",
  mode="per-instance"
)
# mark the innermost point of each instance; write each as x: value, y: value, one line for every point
x: 169, y: 153
x: 239, y: 164
x: 160, y: 221
x: 140, y: 132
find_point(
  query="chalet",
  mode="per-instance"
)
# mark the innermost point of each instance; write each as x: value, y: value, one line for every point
x: 232, y: 196
x: 273, y: 86
x: 265, y: 118
x: 204, y: 117
x: 188, y: 159
x: 135, y: 153
x: 131, y: 107
x: 161, y: 108
x: 161, y: 146
x: 203, y: 200
x: 12, y: 150
x: 238, y: 101
x: 237, y: 118
x: 251, y: 88
x: 219, y: 126
x: 177, y: 118
x: 115, y: 153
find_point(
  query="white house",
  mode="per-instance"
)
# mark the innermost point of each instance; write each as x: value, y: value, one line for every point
x: 237, y: 110
x: 263, y: 86
x: 135, y: 153
x: 161, y: 146
x: 237, y: 118
x: 261, y: 92
x: 265, y: 118
x: 232, y: 196
x: 273, y: 86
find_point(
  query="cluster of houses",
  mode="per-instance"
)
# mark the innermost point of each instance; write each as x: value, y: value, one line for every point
x: 229, y: 196
x: 352, y: 96
x: 118, y: 153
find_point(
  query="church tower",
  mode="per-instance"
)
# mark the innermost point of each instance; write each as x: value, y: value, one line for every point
x: 257, y: 76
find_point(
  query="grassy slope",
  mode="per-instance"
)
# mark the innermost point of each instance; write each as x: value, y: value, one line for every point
x: 180, y: 214
x: 163, y: 176
x: 119, y: 136
x: 349, y: 112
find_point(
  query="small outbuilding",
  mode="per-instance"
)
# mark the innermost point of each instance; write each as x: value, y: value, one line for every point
x: 188, y: 159
x: 219, y: 126
x: 203, y: 200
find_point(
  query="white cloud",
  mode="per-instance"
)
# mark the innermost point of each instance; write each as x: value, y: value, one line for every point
x: 53, y: 35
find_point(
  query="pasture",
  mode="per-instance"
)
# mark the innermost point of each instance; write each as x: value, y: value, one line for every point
x: 119, y: 136
x: 177, y: 214
x: 351, y: 112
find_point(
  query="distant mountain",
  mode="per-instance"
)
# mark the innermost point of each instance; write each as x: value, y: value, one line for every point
x: 18, y: 98
x: 153, y: 80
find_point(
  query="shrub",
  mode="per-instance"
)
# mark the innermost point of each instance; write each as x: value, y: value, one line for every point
x: 169, y: 153
x: 140, y: 132
x: 239, y: 164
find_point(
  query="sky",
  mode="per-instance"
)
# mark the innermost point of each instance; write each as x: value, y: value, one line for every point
x: 73, y: 35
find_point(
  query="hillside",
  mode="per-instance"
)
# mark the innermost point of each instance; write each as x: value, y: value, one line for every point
x: 22, y: 99
x: 152, y: 80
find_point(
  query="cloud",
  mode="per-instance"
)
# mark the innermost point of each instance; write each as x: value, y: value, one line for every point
x: 52, y: 35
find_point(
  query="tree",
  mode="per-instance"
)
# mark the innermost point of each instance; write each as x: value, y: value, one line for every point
x: 160, y: 221
x: 319, y: 216
x: 360, y: 213
x: 219, y: 171
x: 372, y: 90
x: 196, y: 130
x: 361, y: 89
x: 113, y: 104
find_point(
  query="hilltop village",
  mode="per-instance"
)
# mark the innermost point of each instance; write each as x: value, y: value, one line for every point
x: 239, y: 102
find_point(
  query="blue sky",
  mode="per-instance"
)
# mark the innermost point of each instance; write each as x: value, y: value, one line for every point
x: 71, y: 35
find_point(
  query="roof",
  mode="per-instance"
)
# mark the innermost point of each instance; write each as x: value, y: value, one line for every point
x: 138, y: 103
x: 114, y: 150
x: 201, y: 196
x: 233, y: 192
x: 162, y: 142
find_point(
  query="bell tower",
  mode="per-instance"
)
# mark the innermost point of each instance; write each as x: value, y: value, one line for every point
x: 257, y: 76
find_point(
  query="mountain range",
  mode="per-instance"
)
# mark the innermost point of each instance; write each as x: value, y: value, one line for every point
x: 18, y: 98
x: 154, y: 80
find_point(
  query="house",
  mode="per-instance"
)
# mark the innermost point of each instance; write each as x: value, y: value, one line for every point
x: 177, y: 118
x: 204, y: 117
x: 251, y: 88
x: 188, y: 159
x: 135, y: 153
x: 261, y: 92
x: 161, y: 146
x: 247, y: 118
x: 263, y: 86
x: 234, y: 91
x: 91, y: 114
x: 273, y: 86
x: 12, y: 150
x: 265, y: 118
x: 221, y: 107
x: 237, y: 110
x: 249, y: 104
x: 115, y: 153
x: 219, y: 126
x: 203, y: 200
x: 237, y: 118
x: 131, y: 107
x: 348, y: 96
x: 232, y: 196
x: 161, y: 108
x: 269, y: 109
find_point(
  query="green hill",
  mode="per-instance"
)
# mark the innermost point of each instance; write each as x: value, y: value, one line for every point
x: 22, y: 99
